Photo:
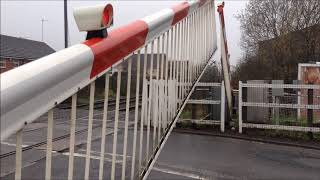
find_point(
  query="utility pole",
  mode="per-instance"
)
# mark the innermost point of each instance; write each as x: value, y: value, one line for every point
x: 65, y: 24
x: 42, y: 22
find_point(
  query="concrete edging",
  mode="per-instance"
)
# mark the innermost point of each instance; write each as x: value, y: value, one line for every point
x: 247, y: 139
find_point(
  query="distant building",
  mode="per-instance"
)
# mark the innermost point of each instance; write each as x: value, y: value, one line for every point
x: 15, y: 51
x: 282, y: 55
x: 301, y: 45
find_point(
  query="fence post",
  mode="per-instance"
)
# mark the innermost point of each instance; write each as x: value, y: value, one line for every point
x: 104, y: 125
x: 136, y: 116
x: 310, y: 112
x: 222, y: 109
x: 126, y: 122
x: 240, y: 107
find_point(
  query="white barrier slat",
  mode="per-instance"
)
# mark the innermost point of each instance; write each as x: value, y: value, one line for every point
x: 166, y: 79
x: 72, y: 135
x: 115, y: 129
x: 143, y: 108
x: 49, y: 145
x: 124, y: 157
x: 104, y: 126
x: 150, y: 101
x: 156, y: 97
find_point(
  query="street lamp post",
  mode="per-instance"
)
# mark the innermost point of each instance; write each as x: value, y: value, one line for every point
x: 65, y: 24
x: 42, y: 22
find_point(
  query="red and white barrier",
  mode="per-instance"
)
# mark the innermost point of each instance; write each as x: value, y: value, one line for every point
x: 31, y: 90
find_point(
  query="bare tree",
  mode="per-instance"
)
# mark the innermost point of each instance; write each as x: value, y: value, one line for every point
x: 279, y: 34
x: 267, y: 19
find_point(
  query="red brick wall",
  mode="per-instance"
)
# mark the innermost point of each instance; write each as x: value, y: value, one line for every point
x: 9, y: 64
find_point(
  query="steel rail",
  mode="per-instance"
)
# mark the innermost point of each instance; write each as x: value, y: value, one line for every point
x: 56, y: 138
x: 97, y: 103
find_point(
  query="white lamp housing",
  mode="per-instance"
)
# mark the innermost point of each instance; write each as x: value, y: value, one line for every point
x: 94, y: 18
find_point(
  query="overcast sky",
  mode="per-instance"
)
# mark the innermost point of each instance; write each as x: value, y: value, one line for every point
x: 23, y: 19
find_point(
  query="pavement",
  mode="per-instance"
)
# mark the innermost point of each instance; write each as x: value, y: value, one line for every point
x: 185, y: 156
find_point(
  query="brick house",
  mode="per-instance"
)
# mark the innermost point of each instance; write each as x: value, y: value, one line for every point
x: 280, y: 56
x: 15, y: 51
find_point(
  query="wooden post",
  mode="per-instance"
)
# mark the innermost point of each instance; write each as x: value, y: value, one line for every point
x: 310, y: 112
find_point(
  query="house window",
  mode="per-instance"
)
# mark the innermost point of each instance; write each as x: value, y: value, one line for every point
x: 2, y: 64
x: 16, y: 63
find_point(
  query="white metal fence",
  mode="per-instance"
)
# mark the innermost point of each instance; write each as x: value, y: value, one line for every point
x: 276, y: 106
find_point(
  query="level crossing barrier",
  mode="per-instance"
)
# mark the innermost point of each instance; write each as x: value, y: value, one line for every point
x: 181, y: 41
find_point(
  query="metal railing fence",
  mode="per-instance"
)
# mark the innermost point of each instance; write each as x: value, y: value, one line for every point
x: 216, y: 101
x: 276, y: 106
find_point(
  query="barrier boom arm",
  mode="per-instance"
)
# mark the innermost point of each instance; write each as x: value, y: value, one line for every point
x: 31, y: 90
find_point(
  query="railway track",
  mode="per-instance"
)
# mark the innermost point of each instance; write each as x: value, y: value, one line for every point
x: 99, y: 103
x: 43, y: 143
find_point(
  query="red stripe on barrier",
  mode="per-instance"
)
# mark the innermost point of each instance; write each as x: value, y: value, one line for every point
x: 119, y: 43
x: 180, y: 12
